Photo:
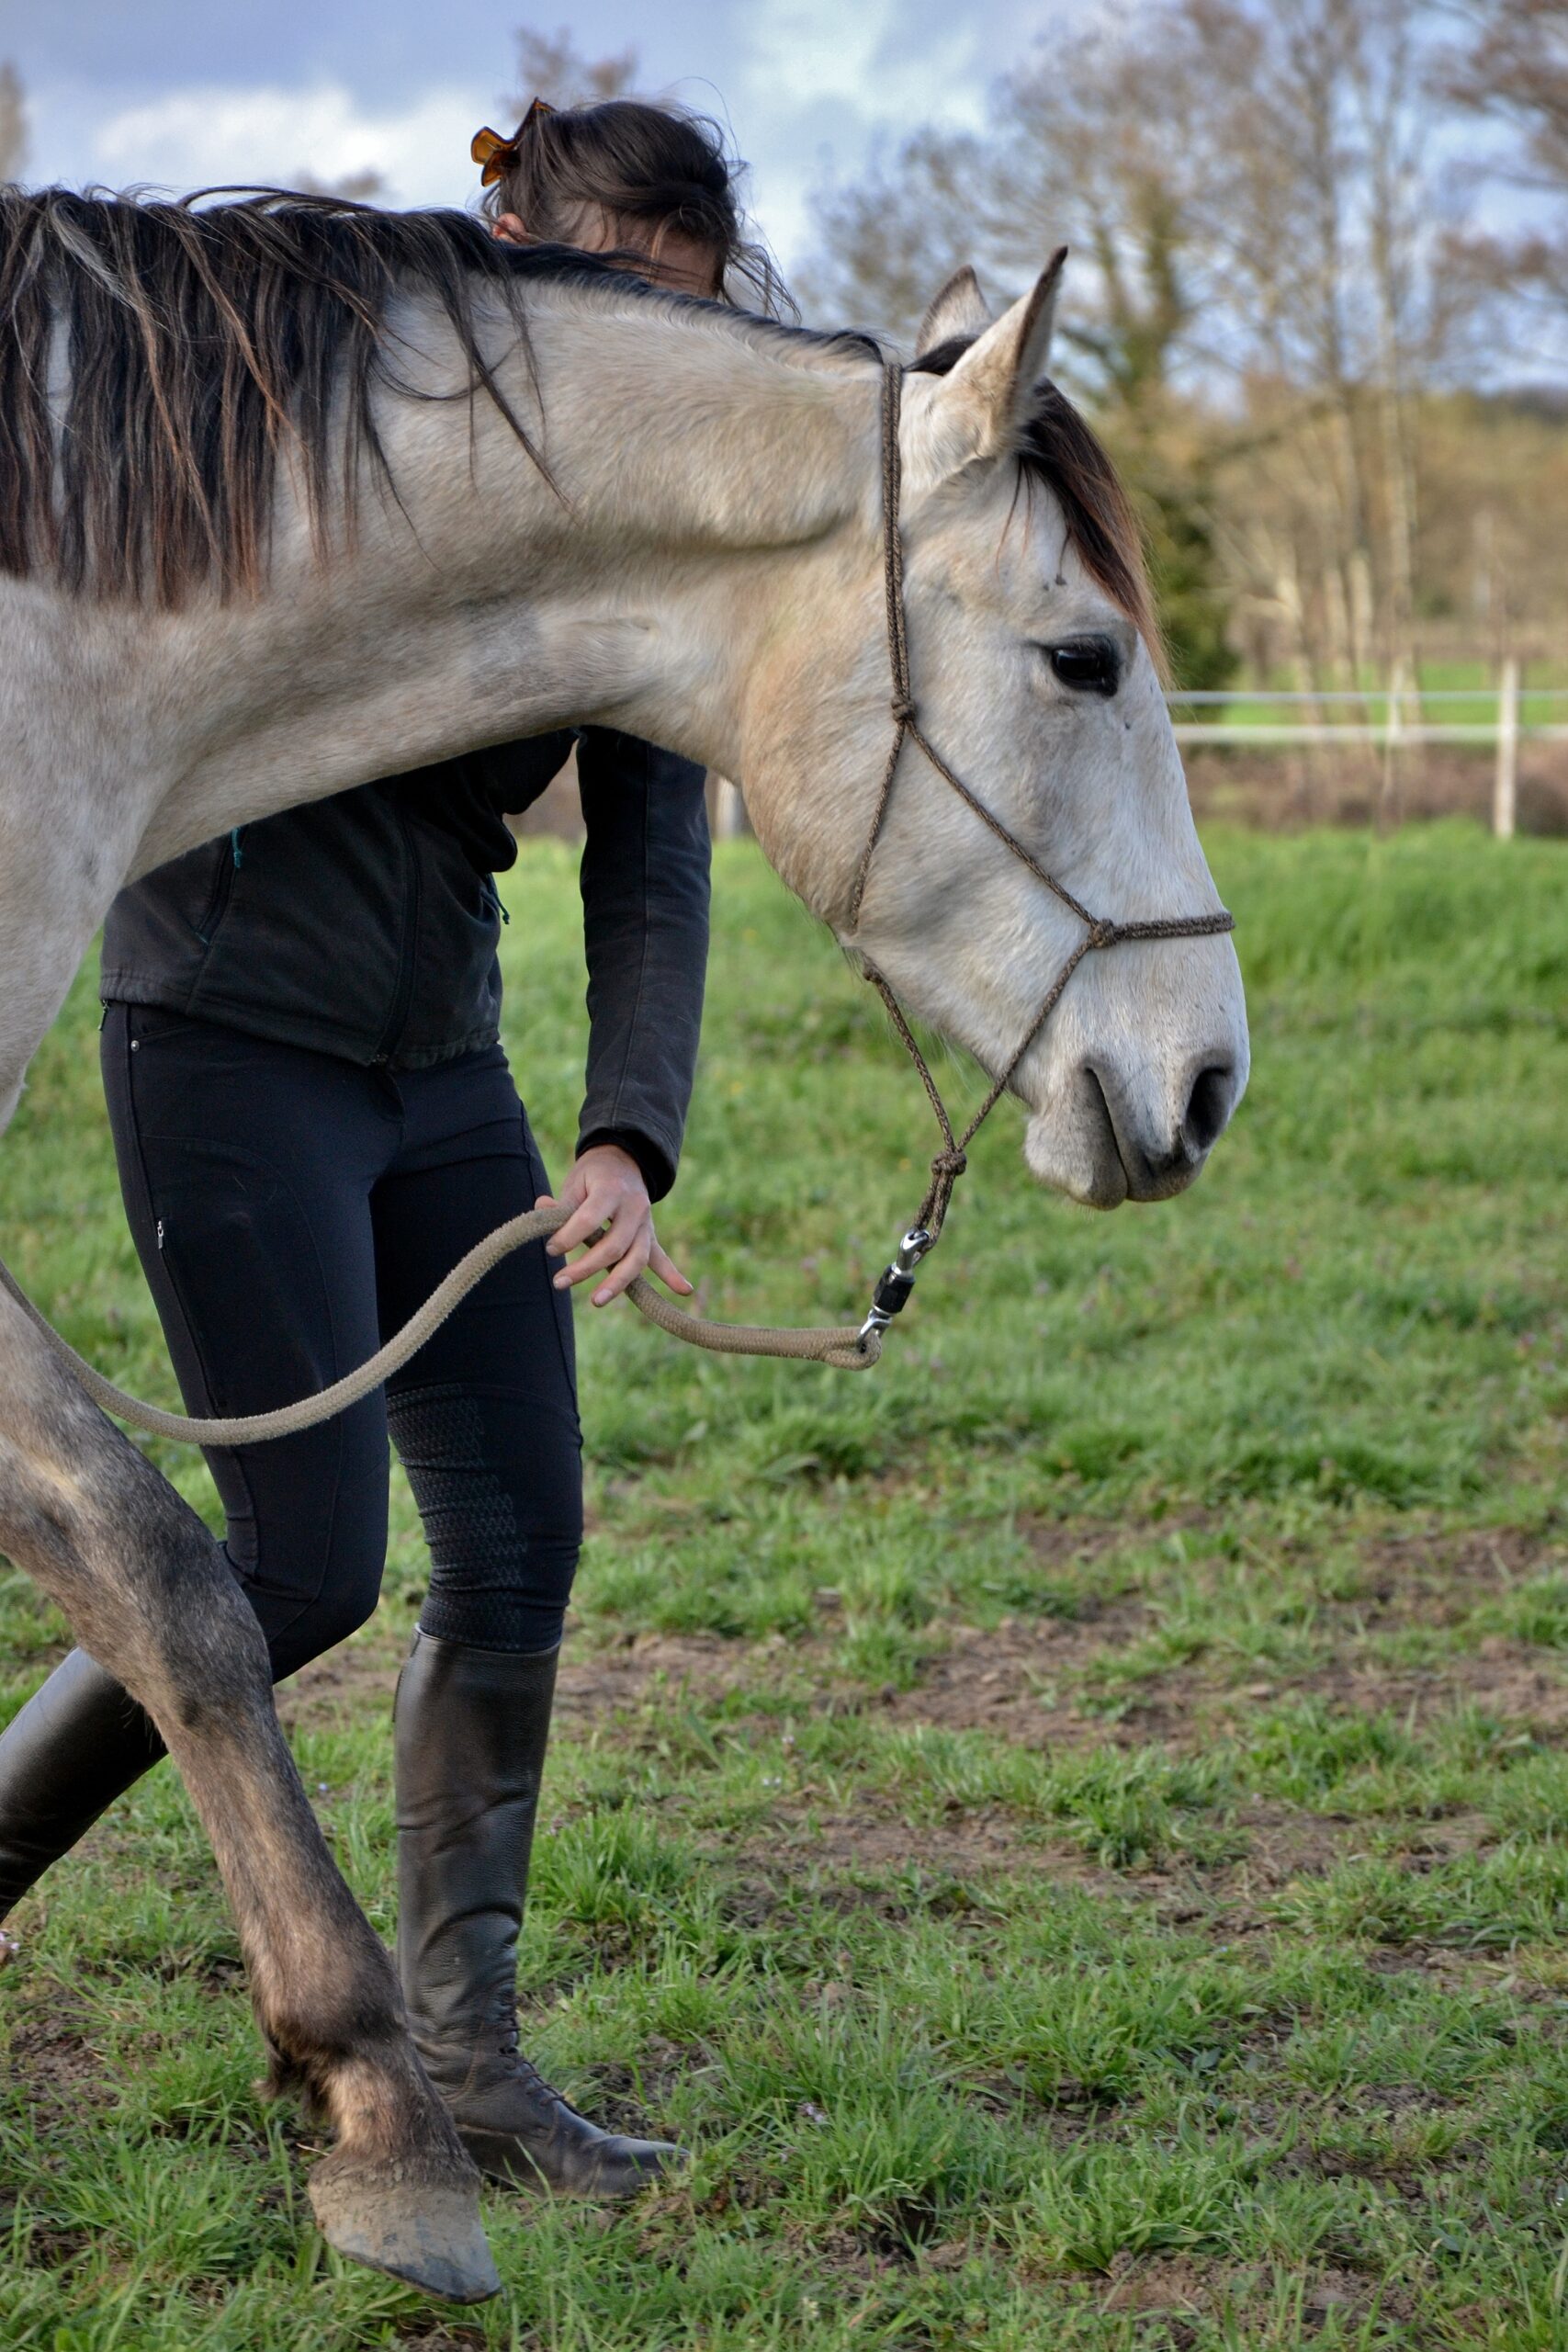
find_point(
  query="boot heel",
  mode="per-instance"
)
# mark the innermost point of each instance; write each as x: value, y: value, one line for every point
x: 500, y: 2158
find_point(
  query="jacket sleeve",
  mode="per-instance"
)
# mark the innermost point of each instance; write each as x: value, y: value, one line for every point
x: 645, y: 916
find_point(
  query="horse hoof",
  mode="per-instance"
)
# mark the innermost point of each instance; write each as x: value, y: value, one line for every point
x: 426, y: 2231
x: 9, y: 1949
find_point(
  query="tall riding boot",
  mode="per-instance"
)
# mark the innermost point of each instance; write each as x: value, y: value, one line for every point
x: 471, y: 1731
x: 78, y: 1743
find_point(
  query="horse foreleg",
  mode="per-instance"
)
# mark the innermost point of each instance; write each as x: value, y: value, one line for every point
x: 150, y: 1595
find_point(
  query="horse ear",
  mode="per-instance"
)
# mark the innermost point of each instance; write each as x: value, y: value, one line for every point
x: 980, y: 409
x: 959, y: 310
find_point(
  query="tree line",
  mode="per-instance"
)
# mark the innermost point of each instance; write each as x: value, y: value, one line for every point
x: 1318, y: 248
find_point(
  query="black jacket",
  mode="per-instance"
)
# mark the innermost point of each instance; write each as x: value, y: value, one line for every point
x: 365, y: 925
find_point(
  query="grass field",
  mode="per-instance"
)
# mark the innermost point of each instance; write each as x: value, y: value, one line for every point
x: 1070, y: 1826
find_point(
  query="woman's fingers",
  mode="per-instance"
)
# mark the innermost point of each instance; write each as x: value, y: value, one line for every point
x: 611, y: 1249
x: 634, y: 1263
x: 659, y: 1262
x: 608, y: 1250
x: 586, y: 1225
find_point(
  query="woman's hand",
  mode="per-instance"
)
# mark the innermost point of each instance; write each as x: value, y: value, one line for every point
x: 610, y: 1210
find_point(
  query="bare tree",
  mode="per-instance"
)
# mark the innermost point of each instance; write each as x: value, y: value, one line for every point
x: 1513, y: 69
x: 551, y: 66
x: 1080, y: 149
x: 886, y: 242
x: 1088, y: 144
x: 13, y: 123
x: 1256, y: 195
x: 1324, y: 194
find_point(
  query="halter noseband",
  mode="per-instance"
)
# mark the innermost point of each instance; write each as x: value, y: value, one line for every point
x: 892, y: 1290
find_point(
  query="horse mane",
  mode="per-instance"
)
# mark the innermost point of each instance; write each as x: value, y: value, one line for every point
x: 202, y: 338
x: 1061, y: 453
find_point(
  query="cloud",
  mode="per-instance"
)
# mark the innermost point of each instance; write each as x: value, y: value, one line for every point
x: 875, y: 58
x: 272, y: 136
x: 823, y: 83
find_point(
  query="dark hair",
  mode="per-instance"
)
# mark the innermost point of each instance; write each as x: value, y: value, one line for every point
x: 640, y: 165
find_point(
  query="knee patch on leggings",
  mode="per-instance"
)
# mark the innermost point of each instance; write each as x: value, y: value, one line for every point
x: 500, y: 1503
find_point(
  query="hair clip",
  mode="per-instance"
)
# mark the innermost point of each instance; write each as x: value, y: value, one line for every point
x: 495, y: 156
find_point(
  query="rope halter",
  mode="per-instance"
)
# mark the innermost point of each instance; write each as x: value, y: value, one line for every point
x: 892, y: 1292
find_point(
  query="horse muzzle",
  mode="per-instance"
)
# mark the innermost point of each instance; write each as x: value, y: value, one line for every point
x: 1113, y: 1137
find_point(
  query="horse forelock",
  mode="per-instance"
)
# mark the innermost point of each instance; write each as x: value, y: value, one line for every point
x: 200, y: 339
x: 1061, y: 453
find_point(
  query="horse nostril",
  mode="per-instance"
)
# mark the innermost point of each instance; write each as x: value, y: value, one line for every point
x: 1208, y: 1107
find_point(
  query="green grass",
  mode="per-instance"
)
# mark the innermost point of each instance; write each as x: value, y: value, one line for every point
x: 1071, y: 1827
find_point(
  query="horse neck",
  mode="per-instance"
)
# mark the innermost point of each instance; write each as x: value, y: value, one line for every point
x: 706, y: 472
x: 694, y: 481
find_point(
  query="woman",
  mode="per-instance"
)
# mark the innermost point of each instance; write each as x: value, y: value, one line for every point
x: 314, y: 1120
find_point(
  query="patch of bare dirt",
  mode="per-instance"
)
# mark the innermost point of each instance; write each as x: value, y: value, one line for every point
x: 1164, y: 2282
x: 1063, y: 1543
x: 859, y: 1859
x: 1015, y: 1678
x: 1416, y: 1573
x: 49, y: 2247
x: 807, y: 1852
x: 1029, y: 1679
x: 52, y: 2061
x: 873, y: 1857
x: 1179, y: 2286
x: 1281, y: 1845
x: 1516, y: 1683
x: 595, y: 1683
x: 1019, y: 1681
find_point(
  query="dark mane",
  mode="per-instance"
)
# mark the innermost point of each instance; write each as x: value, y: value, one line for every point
x: 1061, y: 452
x: 200, y: 340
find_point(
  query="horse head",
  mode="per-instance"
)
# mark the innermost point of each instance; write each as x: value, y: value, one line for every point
x: 1033, y: 674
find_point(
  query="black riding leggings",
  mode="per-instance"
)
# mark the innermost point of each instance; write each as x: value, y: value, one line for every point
x: 291, y: 1211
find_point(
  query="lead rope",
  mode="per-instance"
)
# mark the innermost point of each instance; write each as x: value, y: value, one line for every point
x: 837, y: 1344
x: 841, y: 1345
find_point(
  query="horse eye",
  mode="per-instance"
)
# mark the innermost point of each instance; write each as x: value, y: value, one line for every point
x: 1091, y: 665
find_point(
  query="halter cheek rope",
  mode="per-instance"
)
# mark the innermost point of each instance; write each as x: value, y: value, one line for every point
x: 843, y: 1346
x: 893, y: 1291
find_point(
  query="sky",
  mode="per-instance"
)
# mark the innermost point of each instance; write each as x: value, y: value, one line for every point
x: 186, y: 92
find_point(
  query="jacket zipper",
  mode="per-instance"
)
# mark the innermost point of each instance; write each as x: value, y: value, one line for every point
x: 402, y: 995
x: 222, y: 885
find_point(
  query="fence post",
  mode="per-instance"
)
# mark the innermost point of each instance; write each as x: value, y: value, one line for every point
x: 1506, y: 782
x: 1389, y: 800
